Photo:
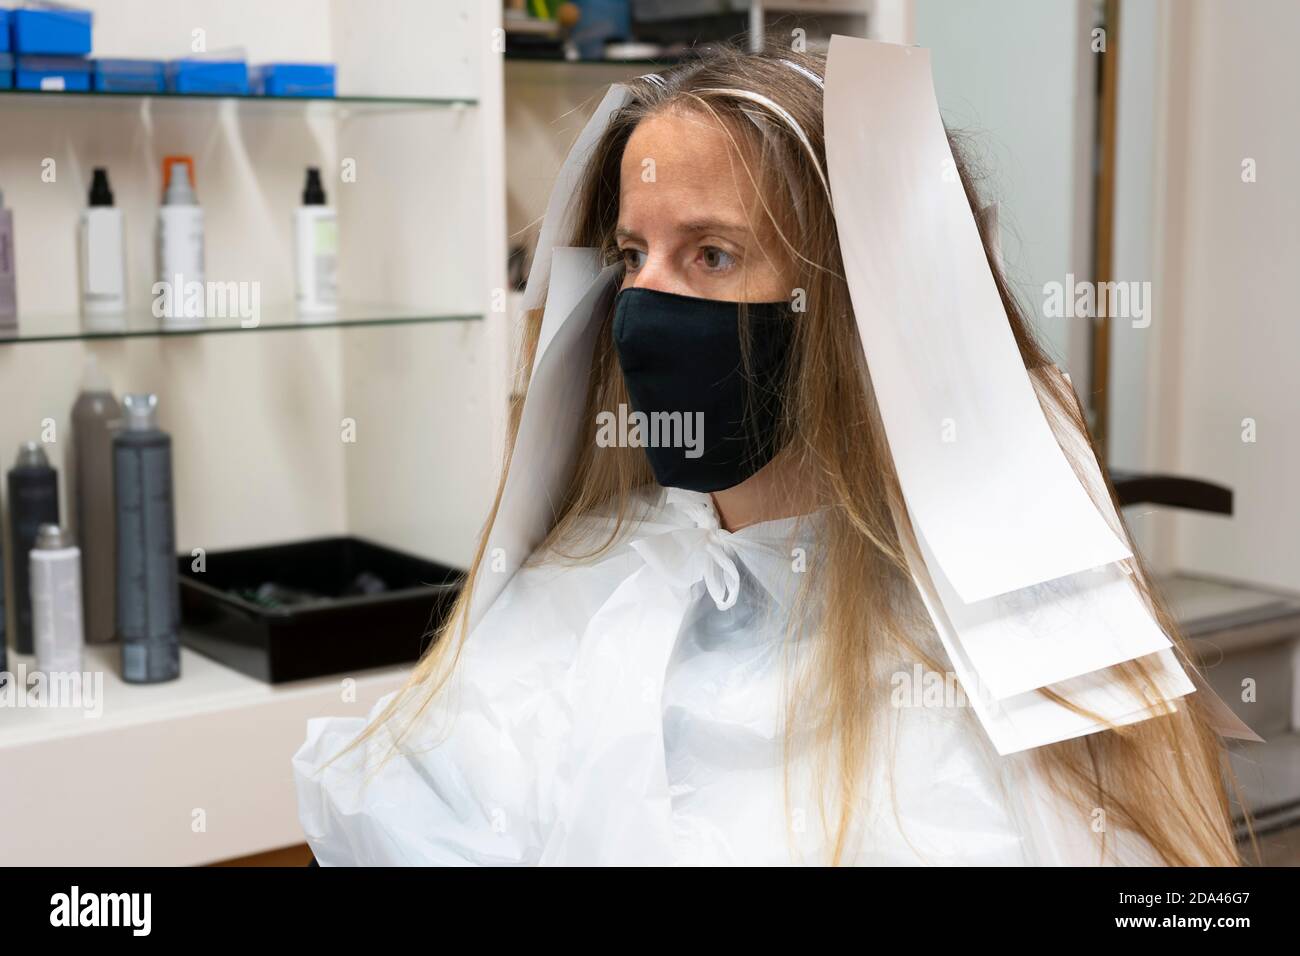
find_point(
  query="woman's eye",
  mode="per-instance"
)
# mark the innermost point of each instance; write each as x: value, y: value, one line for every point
x: 716, y: 260
x: 632, y: 258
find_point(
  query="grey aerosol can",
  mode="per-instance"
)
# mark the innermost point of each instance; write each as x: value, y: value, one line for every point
x: 96, y: 415
x: 148, y: 585
x: 56, y: 601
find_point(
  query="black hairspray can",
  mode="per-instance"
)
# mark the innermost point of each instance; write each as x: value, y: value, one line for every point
x: 33, y: 501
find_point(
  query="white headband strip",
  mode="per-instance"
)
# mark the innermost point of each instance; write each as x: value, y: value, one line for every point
x: 784, y: 115
x: 805, y: 71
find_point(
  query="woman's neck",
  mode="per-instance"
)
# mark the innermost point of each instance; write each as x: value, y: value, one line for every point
x: 774, y: 491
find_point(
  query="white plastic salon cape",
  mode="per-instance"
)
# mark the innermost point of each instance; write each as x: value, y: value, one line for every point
x: 628, y: 710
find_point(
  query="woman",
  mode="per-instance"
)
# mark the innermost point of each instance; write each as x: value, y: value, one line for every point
x: 707, y: 659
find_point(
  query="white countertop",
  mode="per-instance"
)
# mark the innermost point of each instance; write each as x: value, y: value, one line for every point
x: 189, y: 771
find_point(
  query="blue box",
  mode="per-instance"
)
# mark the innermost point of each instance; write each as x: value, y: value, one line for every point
x: 129, y: 76
x: 218, y: 77
x: 4, y: 30
x: 57, y: 31
x: 6, y: 71
x: 66, y: 73
x: 293, y: 79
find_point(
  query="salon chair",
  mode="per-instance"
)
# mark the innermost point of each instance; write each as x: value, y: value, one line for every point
x: 1238, y: 632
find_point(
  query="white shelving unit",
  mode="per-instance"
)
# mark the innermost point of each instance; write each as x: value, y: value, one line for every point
x: 189, y: 772
x: 421, y: 367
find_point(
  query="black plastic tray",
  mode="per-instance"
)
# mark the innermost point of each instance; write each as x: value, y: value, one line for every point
x: 338, y: 635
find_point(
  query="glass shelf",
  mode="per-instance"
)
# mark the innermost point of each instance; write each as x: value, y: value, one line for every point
x: 142, y: 323
x: 338, y: 106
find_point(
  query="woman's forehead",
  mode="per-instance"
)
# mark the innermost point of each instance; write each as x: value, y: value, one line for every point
x: 685, y: 166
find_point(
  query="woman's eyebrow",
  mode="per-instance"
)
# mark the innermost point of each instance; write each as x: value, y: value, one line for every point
x: 694, y: 227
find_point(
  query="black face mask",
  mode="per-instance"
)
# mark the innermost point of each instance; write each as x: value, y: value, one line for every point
x: 707, y: 420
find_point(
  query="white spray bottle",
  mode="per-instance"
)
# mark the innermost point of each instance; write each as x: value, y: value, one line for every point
x: 102, y: 255
x: 179, y: 297
x: 316, y: 243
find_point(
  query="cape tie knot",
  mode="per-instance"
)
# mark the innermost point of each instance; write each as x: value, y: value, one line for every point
x: 698, y: 551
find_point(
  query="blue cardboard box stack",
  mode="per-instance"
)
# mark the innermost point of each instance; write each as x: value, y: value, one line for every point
x: 48, y: 47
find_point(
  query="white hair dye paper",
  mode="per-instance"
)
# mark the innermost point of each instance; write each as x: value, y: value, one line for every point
x: 561, y: 208
x: 570, y: 283
x: 544, y: 452
x: 1058, y: 629
x: 1031, y: 719
x: 1052, y: 631
x: 1027, y: 719
x: 999, y: 666
x: 984, y: 478
x: 572, y: 273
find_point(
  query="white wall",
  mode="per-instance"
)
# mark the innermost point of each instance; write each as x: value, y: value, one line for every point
x: 1229, y: 251
x: 1015, y: 74
x: 1139, y: 187
x: 429, y: 401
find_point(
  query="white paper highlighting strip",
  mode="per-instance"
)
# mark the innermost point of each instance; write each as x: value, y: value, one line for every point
x: 1050, y: 632
x: 1032, y: 720
x: 561, y: 207
x: 546, y: 449
x: 1056, y: 630
x: 982, y: 474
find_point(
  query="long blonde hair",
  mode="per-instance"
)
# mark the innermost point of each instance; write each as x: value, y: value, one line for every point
x: 1162, y: 778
